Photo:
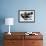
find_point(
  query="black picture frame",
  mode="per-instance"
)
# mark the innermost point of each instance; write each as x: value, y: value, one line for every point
x: 26, y: 16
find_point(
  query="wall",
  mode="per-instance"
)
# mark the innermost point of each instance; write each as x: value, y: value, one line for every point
x: 9, y: 8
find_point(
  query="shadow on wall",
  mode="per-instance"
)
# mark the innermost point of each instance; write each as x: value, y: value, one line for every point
x: 1, y: 39
x: 2, y: 21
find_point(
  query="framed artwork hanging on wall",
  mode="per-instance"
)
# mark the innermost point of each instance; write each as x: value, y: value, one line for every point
x: 26, y: 16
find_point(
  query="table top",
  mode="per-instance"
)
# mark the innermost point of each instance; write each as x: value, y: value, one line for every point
x: 22, y: 35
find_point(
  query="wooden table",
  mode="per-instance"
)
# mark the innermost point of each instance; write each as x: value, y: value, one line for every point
x: 20, y: 39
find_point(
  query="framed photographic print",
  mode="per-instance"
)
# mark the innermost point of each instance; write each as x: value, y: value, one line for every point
x: 26, y: 16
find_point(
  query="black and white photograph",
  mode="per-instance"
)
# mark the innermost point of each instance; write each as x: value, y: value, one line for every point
x: 26, y: 16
